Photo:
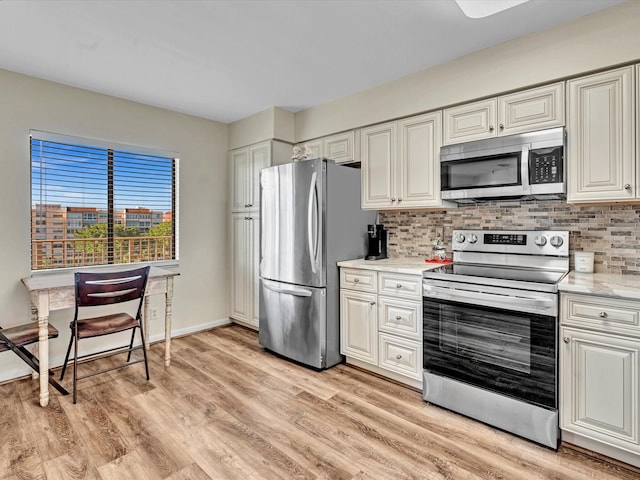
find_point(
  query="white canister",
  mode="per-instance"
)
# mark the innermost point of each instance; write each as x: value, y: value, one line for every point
x: 583, y: 262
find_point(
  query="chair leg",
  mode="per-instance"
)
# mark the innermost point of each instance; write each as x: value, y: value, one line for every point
x: 66, y: 359
x: 75, y: 367
x: 133, y: 335
x: 144, y: 352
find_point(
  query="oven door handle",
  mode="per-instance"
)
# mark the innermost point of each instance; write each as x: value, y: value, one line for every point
x: 467, y: 296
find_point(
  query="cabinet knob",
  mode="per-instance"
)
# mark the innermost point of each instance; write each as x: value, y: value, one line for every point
x: 603, y: 315
x: 393, y: 199
x: 356, y: 280
x: 398, y: 356
x: 398, y: 317
x: 566, y: 339
x: 399, y: 199
x: 627, y: 186
x: 501, y: 126
x: 250, y: 205
x: 373, y: 303
x: 399, y: 285
x: 491, y: 128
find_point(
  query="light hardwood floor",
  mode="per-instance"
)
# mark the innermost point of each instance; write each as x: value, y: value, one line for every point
x: 226, y: 409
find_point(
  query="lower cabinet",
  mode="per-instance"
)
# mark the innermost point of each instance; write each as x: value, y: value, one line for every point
x: 381, y: 323
x: 244, y: 245
x: 599, y: 368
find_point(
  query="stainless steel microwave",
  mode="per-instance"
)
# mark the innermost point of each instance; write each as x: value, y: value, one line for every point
x: 524, y: 165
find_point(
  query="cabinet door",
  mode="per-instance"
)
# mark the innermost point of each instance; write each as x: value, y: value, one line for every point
x: 378, y: 166
x: 341, y: 147
x: 359, y: 326
x: 473, y: 121
x: 241, y: 266
x: 253, y: 245
x: 240, y: 167
x: 599, y: 387
x: 314, y: 149
x: 260, y: 157
x: 533, y: 109
x: 601, y: 136
x: 418, y: 165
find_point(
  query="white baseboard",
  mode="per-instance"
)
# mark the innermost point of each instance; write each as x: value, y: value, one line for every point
x: 22, y: 370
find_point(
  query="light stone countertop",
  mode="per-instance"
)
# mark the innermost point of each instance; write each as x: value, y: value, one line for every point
x: 413, y: 266
x: 602, y: 284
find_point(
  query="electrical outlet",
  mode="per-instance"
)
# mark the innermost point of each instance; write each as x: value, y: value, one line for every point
x: 154, y: 314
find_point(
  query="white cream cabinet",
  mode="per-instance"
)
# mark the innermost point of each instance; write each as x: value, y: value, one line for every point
x: 400, y: 163
x: 601, y: 142
x: 599, y: 375
x: 381, y: 323
x: 244, y: 230
x: 528, y: 110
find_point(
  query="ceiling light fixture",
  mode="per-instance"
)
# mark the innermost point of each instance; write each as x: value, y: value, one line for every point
x: 484, y: 8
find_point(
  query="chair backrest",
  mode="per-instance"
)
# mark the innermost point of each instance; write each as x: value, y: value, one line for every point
x: 106, y: 288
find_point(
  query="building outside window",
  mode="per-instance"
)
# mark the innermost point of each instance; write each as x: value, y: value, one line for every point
x: 113, y: 204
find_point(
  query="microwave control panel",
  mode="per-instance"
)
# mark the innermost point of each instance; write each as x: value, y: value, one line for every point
x: 545, y: 166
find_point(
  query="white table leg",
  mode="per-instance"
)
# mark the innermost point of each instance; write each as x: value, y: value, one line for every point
x: 34, y: 348
x: 43, y: 343
x: 146, y: 314
x: 167, y: 322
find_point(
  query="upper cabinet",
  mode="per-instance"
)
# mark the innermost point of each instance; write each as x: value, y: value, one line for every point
x: 245, y: 166
x: 601, y: 137
x: 400, y: 167
x: 533, y: 109
x: 341, y: 147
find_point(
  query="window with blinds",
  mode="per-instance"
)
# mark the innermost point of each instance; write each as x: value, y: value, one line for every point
x: 96, y: 204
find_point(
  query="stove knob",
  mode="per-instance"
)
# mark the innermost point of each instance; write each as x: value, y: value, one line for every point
x: 473, y: 238
x: 556, y: 241
x: 540, y: 241
x: 460, y: 238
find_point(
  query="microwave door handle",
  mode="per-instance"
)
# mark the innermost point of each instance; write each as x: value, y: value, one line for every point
x: 524, y: 168
x: 467, y: 296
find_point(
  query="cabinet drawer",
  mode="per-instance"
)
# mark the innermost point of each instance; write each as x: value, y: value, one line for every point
x: 609, y: 314
x: 400, y: 317
x: 406, y: 286
x: 357, y: 279
x: 400, y: 355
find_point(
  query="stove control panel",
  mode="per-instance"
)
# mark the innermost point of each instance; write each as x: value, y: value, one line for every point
x: 528, y: 242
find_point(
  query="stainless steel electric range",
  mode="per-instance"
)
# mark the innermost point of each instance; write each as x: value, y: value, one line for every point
x: 490, y: 329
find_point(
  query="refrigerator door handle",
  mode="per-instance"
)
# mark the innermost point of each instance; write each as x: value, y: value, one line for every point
x: 312, y: 222
x: 298, y: 292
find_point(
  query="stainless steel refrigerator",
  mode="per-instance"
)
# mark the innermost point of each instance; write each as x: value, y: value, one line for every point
x: 310, y: 219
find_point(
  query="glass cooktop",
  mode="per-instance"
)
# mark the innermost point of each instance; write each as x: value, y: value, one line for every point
x: 527, y: 278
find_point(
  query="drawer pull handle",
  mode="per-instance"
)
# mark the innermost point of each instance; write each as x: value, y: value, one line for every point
x: 356, y: 280
x: 603, y: 315
x: 398, y: 317
x: 399, y: 285
x: 372, y: 303
x: 566, y: 339
x: 398, y: 356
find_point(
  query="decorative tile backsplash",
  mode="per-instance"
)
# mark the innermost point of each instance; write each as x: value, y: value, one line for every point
x: 611, y: 231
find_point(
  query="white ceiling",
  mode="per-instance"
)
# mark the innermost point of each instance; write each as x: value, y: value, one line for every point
x: 224, y: 60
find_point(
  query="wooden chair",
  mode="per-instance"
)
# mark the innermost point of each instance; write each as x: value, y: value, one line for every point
x: 99, y: 289
x: 18, y: 337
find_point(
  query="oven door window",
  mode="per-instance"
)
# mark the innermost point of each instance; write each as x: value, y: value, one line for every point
x: 512, y: 353
x: 486, y: 172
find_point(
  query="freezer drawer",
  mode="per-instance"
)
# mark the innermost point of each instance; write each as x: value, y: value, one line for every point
x: 293, y: 321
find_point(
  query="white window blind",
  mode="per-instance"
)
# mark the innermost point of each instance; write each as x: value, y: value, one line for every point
x: 95, y: 204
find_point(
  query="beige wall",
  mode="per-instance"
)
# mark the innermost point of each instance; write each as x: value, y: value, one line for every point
x: 26, y: 103
x: 593, y: 42
x: 273, y: 123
